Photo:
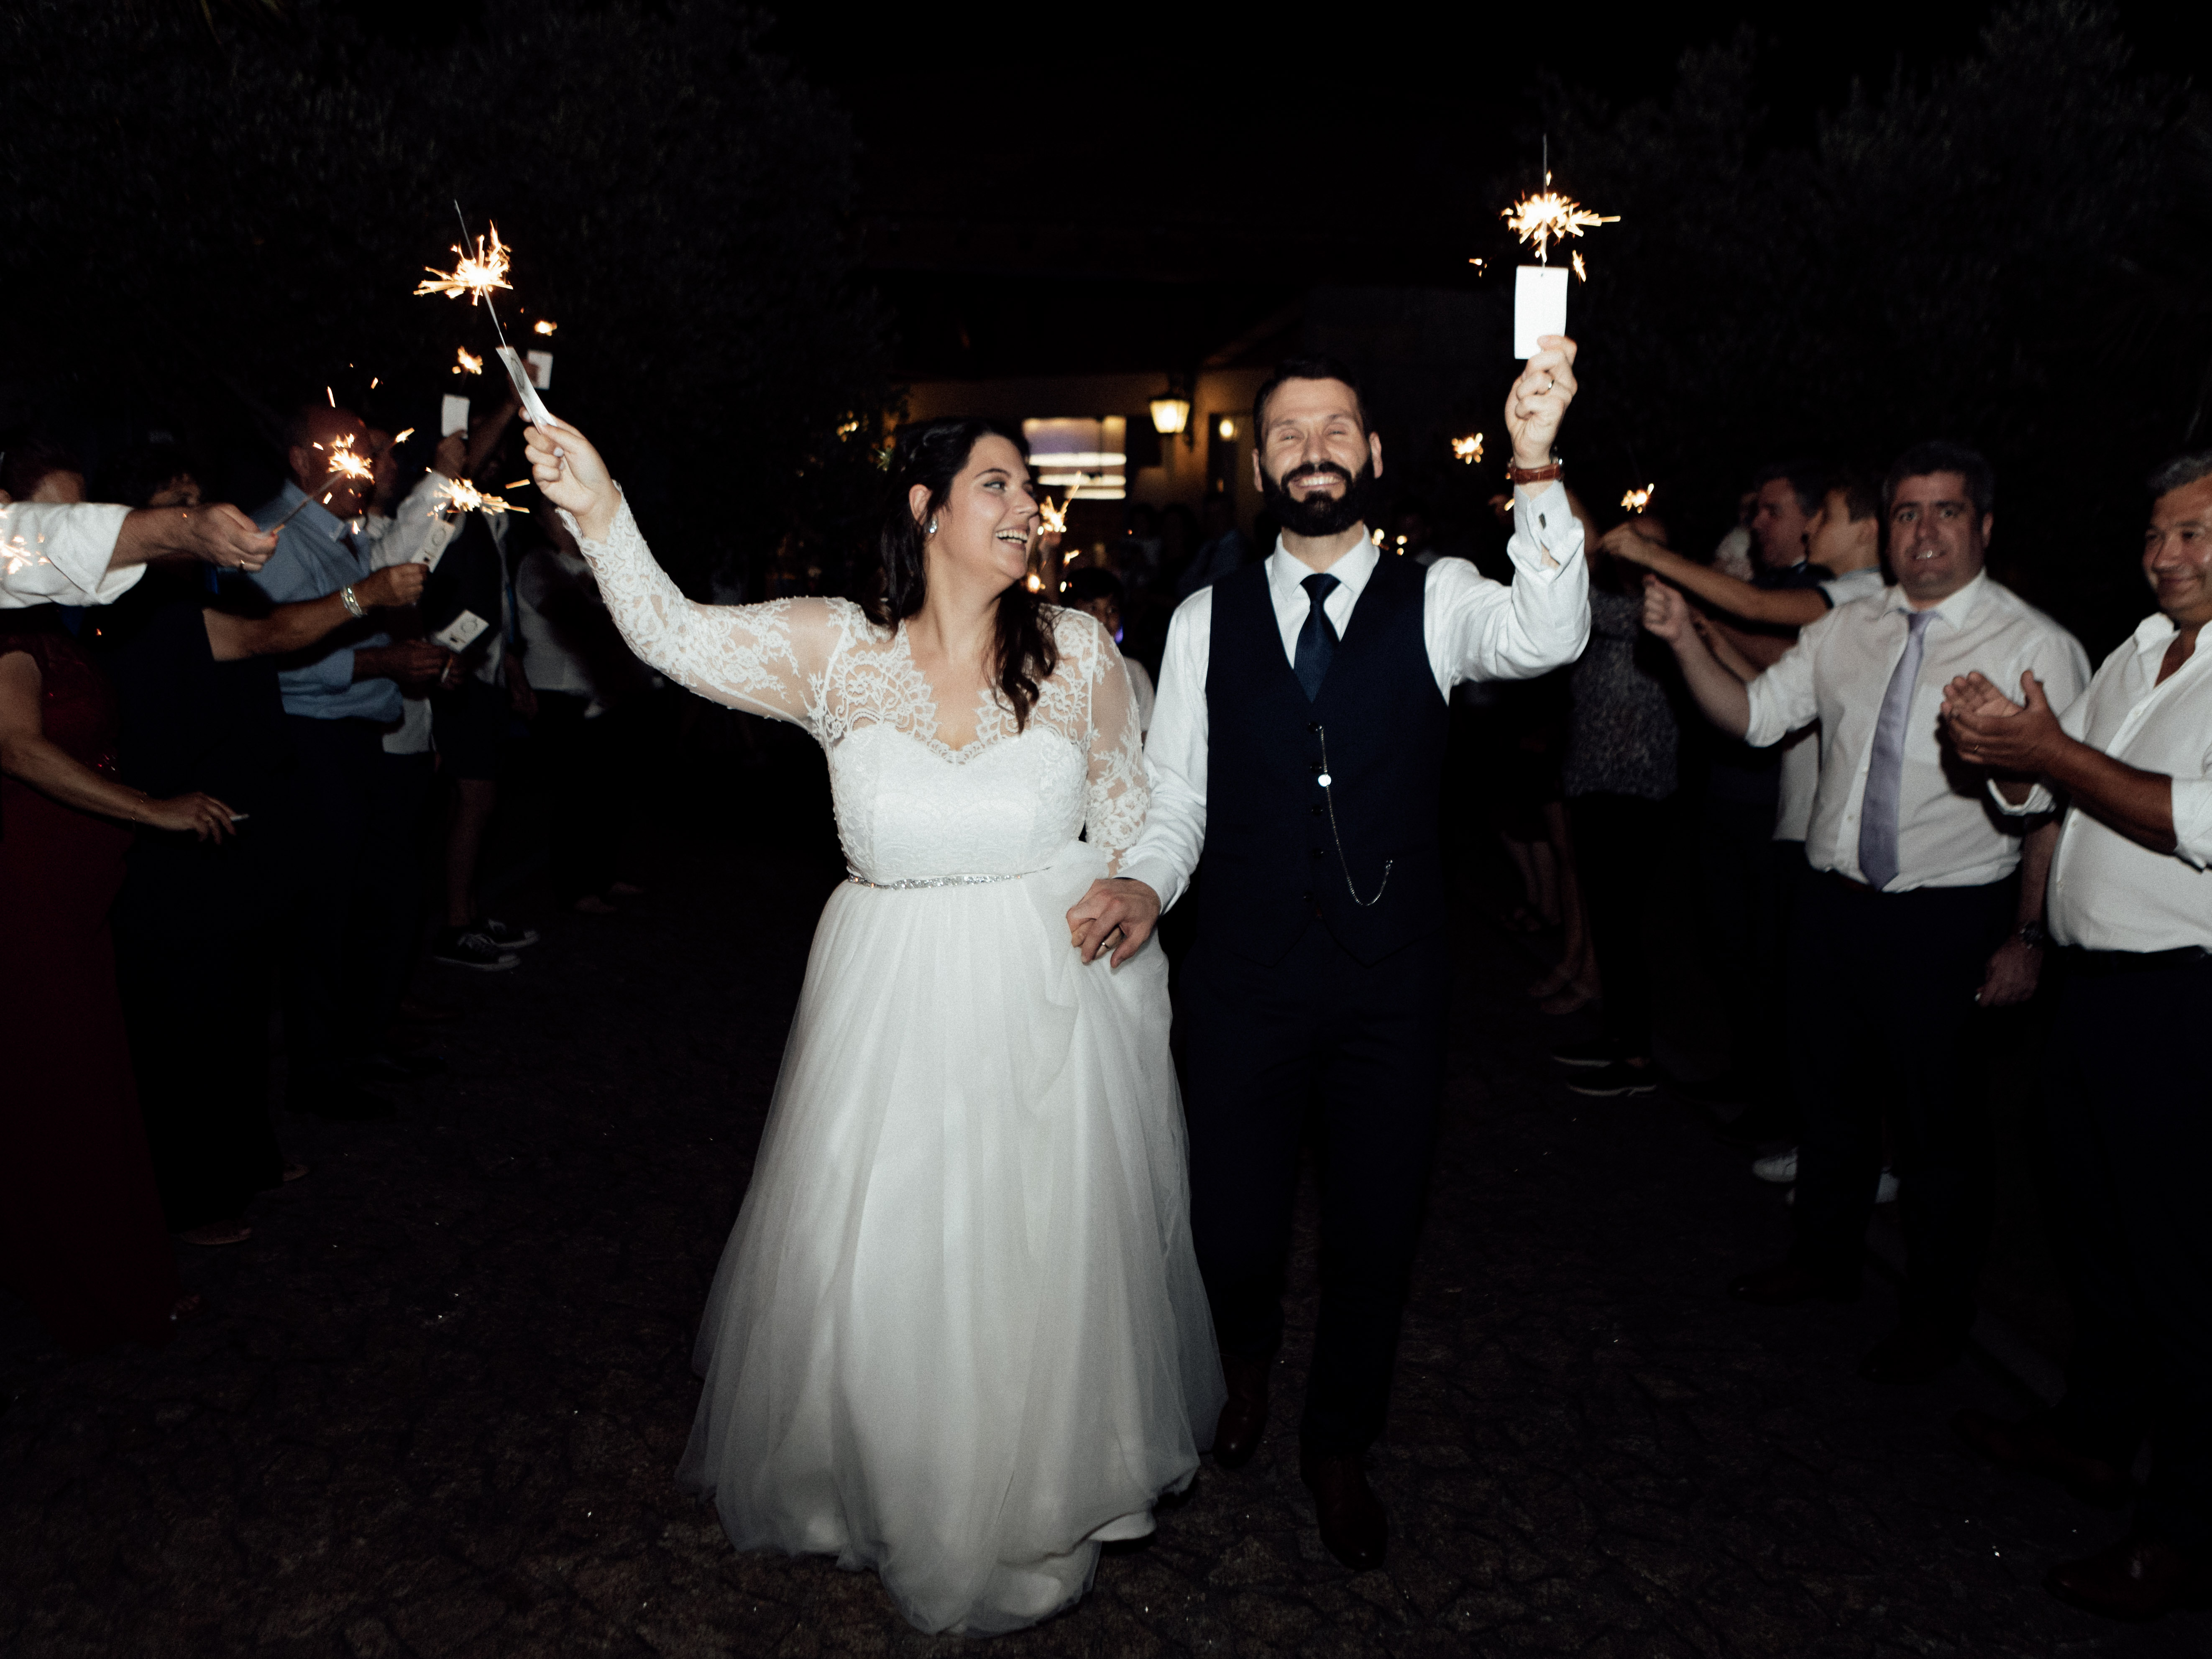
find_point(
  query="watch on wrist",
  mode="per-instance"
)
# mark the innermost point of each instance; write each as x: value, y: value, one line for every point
x: 353, y: 605
x: 1523, y: 475
x: 2034, y: 935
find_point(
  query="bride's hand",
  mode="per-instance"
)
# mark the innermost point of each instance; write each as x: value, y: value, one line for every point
x: 569, y: 473
x: 1117, y: 913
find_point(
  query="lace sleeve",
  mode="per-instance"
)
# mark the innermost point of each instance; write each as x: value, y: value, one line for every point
x: 765, y: 659
x: 1119, y: 795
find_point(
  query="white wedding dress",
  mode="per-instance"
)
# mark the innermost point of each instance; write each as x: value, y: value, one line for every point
x: 958, y: 1335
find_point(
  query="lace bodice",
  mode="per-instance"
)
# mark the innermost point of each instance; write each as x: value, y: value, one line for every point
x: 909, y: 806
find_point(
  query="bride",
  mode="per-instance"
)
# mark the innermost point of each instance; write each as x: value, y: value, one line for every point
x: 958, y: 1334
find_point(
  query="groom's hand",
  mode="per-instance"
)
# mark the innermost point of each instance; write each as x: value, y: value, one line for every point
x: 1119, y: 912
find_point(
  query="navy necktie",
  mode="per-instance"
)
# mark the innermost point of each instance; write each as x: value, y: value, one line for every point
x: 1317, y: 639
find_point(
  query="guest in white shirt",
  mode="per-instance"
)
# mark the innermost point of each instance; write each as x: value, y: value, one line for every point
x: 74, y: 552
x: 2130, y: 906
x: 1914, y: 887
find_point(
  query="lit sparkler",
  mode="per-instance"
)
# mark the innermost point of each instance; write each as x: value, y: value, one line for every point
x: 1637, y: 500
x: 402, y: 437
x: 1054, y: 517
x: 475, y: 274
x: 1580, y: 271
x: 345, y: 463
x: 459, y: 496
x: 545, y: 325
x: 467, y: 361
x: 1548, y: 217
x: 1468, y: 449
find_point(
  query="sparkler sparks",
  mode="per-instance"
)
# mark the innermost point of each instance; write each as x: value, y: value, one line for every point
x: 1637, y: 500
x: 467, y: 362
x: 1054, y: 518
x: 459, y: 496
x: 545, y: 325
x: 473, y: 274
x: 1548, y: 217
x: 345, y: 463
x: 1468, y: 449
x: 402, y: 437
x: 1579, y: 272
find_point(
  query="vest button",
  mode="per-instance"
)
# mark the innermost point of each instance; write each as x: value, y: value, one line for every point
x: 1316, y: 766
x: 1306, y: 898
x: 1320, y: 852
x: 1317, y: 809
x: 1313, y: 726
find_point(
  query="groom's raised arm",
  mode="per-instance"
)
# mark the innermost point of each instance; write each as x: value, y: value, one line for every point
x: 1166, y: 853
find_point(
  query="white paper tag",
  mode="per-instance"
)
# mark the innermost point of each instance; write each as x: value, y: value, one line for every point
x: 1540, y: 306
x: 435, y: 544
x: 532, y: 404
x: 541, y: 369
x: 453, y: 416
x: 459, y: 633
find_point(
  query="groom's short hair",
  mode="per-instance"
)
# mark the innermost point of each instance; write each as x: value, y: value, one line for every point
x: 1305, y: 369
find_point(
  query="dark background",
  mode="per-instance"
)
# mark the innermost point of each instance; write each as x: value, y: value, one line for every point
x: 1840, y: 232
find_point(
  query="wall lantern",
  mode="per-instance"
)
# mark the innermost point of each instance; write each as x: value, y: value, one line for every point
x: 1170, y: 414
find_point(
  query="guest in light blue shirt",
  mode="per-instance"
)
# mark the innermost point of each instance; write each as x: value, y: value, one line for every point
x: 318, y: 554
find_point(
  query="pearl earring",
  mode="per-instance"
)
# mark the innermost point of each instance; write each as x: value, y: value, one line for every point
x: 933, y: 526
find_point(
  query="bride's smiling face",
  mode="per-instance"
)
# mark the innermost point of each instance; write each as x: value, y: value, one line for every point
x: 987, y: 522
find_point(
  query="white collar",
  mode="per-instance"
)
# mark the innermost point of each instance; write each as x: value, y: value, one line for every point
x: 1287, y: 572
x: 1954, y: 608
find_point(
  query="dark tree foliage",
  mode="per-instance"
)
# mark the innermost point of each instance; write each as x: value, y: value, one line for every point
x: 1998, y: 251
x: 245, y: 196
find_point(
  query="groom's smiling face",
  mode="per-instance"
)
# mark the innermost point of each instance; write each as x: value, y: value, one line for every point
x: 1315, y: 461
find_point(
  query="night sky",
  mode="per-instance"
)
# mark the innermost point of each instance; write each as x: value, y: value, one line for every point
x: 1082, y: 190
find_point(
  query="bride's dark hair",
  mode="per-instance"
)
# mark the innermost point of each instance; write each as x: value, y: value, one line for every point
x: 932, y: 453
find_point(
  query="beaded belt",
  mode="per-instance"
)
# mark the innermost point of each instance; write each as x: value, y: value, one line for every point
x: 859, y: 880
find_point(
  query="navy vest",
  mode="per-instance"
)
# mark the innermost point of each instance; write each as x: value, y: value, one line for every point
x: 1271, y: 865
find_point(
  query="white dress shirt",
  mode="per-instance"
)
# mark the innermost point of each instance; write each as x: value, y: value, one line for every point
x: 1837, y: 672
x: 1474, y: 628
x: 2107, y: 892
x: 56, y: 553
x: 416, y: 533
x: 1801, y: 757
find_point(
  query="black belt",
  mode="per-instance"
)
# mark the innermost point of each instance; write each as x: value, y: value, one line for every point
x: 2096, y: 964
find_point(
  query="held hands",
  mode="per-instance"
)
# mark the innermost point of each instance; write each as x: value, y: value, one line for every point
x: 2011, y: 975
x: 397, y: 584
x: 1666, y: 612
x: 569, y: 473
x: 200, y: 815
x: 1989, y: 729
x: 1539, y: 399
x: 1118, y: 911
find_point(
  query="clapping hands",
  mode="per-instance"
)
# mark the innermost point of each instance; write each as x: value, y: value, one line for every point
x: 1989, y: 729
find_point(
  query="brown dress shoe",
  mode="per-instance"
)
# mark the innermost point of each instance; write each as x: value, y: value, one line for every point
x: 2030, y: 1448
x: 1912, y: 1354
x: 1244, y: 1417
x: 2137, y: 1578
x: 1353, y: 1524
x: 1787, y: 1284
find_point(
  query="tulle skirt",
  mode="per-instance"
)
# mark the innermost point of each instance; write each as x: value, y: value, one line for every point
x: 958, y: 1335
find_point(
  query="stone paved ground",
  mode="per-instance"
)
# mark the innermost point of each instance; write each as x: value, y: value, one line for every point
x: 437, y: 1401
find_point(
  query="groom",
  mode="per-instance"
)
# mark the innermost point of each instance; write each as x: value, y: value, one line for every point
x: 1298, y: 745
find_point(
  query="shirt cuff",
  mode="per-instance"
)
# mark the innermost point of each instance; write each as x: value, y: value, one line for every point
x: 1157, y: 874
x: 1546, y: 535
x: 1764, y: 726
x: 2039, y: 799
x: 2192, y: 821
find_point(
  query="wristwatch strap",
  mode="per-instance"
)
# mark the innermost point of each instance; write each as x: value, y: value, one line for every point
x: 1523, y: 475
x: 353, y: 605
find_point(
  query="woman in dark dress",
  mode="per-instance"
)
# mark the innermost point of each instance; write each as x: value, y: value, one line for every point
x: 81, y: 1237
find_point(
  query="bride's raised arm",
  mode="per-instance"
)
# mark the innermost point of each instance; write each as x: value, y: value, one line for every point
x: 761, y: 658
x: 1120, y: 794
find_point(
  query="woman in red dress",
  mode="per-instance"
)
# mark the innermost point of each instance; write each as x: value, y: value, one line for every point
x: 81, y: 1237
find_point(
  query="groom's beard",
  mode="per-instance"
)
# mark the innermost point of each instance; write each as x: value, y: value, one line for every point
x: 1318, y: 514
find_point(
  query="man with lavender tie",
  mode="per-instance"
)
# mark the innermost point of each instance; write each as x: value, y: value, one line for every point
x: 1927, y: 904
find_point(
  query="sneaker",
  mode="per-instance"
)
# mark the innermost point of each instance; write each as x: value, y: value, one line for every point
x: 1885, y: 1190
x: 1592, y: 1054
x: 506, y: 935
x: 1782, y: 1168
x: 1614, y: 1077
x: 464, y: 947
